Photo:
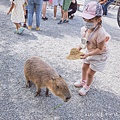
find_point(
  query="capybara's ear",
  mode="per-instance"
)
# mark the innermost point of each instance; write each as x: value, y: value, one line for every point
x: 53, y: 78
x: 60, y: 76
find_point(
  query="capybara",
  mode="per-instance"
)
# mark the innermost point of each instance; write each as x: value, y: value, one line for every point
x: 43, y: 75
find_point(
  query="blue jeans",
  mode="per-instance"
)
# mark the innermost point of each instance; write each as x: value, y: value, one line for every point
x: 105, y: 6
x: 37, y: 7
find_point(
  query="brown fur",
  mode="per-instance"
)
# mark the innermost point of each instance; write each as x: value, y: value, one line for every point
x: 43, y: 75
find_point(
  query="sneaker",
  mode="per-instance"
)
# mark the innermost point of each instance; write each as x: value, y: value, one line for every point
x: 37, y: 28
x: 15, y: 31
x: 20, y: 30
x: 29, y: 28
x: 60, y: 22
x: 83, y: 91
x: 80, y: 83
x: 65, y: 21
x: 44, y: 18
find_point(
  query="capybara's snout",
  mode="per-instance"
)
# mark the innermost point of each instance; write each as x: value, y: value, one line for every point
x: 67, y: 98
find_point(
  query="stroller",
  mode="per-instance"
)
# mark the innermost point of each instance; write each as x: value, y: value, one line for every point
x: 118, y: 16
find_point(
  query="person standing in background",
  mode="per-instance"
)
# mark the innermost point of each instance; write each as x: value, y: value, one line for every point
x: 105, y: 6
x: 44, y: 7
x: 102, y: 1
x: 34, y: 5
x: 55, y: 4
x: 66, y: 4
x: 26, y: 11
x: 17, y: 14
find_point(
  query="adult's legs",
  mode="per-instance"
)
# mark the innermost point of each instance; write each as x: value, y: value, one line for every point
x: 66, y: 5
x: 44, y: 5
x: 61, y: 12
x: 65, y: 15
x: 30, y: 14
x: 105, y: 6
x: 38, y: 13
x: 55, y: 11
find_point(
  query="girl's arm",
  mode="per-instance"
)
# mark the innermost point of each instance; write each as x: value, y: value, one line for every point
x: 12, y: 6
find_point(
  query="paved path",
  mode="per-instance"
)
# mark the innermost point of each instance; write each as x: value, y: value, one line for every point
x: 53, y: 44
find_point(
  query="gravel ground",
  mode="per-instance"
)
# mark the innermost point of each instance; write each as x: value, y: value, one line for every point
x: 53, y: 44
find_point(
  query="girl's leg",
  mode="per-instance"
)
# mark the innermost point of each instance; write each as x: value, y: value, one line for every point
x: 86, y: 87
x: 82, y: 82
x: 17, y: 25
x: 38, y: 13
x: 84, y: 71
x: 19, y: 29
x: 90, y: 75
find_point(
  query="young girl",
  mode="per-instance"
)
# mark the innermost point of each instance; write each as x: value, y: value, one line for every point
x: 17, y: 15
x: 94, y: 39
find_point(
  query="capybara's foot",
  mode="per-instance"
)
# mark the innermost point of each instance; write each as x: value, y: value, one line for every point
x: 28, y: 84
x: 37, y: 94
x: 47, y: 92
x: 48, y: 95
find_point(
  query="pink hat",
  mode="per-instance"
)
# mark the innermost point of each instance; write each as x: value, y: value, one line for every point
x: 91, y: 10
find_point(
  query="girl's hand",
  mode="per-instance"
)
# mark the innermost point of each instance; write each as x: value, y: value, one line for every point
x: 79, y: 48
x: 84, y: 55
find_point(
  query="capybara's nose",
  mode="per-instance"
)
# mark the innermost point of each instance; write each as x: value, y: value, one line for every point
x: 68, y: 98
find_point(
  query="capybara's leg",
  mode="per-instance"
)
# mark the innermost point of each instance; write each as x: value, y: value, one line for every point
x: 38, y: 90
x: 28, y: 84
x: 27, y: 81
x: 47, y: 92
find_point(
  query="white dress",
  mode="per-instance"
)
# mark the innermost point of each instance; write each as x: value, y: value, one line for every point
x: 17, y: 15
